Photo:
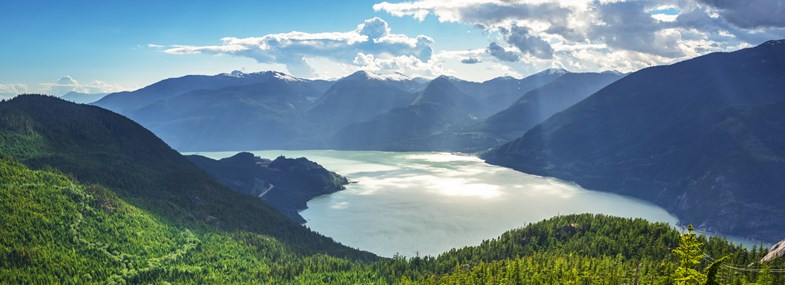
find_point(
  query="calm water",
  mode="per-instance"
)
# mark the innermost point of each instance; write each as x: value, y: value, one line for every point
x: 427, y: 203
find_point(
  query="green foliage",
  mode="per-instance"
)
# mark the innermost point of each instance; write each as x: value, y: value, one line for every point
x: 96, y: 146
x: 765, y: 277
x: 713, y: 269
x: 690, y: 257
x: 56, y: 230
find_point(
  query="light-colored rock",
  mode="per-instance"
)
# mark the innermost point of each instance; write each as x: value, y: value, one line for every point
x: 776, y: 251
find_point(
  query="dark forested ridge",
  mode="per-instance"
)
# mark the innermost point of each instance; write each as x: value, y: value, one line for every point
x: 703, y: 138
x: 285, y: 183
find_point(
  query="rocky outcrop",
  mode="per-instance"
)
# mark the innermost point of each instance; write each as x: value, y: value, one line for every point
x: 776, y: 251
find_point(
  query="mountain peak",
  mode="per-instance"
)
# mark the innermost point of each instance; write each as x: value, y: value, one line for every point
x: 615, y: 72
x: 263, y: 74
x: 552, y: 71
x: 447, y: 78
x: 774, y: 43
x: 367, y: 75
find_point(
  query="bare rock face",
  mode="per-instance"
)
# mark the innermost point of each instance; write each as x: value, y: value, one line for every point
x: 776, y: 251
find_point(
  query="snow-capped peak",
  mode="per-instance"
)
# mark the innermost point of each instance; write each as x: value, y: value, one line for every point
x: 551, y: 71
x: 285, y: 77
x: 376, y: 76
x: 263, y: 74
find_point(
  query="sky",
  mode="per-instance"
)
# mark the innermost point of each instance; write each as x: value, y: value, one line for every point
x: 98, y: 46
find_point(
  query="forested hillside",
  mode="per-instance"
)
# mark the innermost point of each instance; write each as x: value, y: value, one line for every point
x: 97, y: 146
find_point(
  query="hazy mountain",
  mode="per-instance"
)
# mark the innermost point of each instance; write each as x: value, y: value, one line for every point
x: 97, y: 146
x: 128, y: 101
x: 496, y: 94
x: 285, y: 183
x: 539, y: 104
x: 257, y: 116
x: 361, y: 96
x: 415, y: 127
x: 703, y: 138
x: 82, y: 98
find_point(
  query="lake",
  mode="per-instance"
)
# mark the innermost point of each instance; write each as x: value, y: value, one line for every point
x: 423, y: 203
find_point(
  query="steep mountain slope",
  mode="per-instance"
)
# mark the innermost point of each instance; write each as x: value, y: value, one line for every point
x: 703, y: 138
x: 82, y: 98
x: 496, y: 94
x: 128, y: 101
x: 256, y: 116
x: 539, y: 104
x: 415, y: 127
x: 285, y: 183
x: 361, y: 96
x: 56, y: 230
x: 98, y: 146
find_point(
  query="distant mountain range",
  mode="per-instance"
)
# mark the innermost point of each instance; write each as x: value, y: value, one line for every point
x: 82, y: 98
x: 541, y: 103
x: 268, y: 110
x: 361, y: 96
x: 704, y: 138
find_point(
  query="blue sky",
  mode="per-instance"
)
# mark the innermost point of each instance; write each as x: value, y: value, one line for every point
x: 56, y: 46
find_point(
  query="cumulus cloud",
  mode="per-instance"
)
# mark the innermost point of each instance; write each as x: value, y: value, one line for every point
x: 13, y: 88
x: 588, y: 33
x: 528, y: 43
x: 372, y: 37
x: 751, y: 13
x: 502, y: 54
x: 470, y: 60
x: 67, y: 84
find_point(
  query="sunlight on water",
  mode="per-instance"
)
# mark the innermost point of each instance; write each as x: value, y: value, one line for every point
x: 427, y: 203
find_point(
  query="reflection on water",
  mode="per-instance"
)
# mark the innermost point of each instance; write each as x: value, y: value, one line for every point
x: 428, y: 203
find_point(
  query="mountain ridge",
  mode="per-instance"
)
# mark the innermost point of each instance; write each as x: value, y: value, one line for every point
x: 645, y: 136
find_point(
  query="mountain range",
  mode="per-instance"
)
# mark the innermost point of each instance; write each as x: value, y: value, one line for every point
x: 699, y: 137
x: 82, y: 98
x: 269, y: 110
x: 702, y: 138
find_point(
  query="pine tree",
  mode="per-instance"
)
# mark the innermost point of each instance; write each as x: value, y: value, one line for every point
x: 765, y: 277
x: 690, y: 256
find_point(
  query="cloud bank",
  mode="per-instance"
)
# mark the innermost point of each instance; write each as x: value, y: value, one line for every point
x: 370, y: 46
x: 605, y: 34
x: 58, y: 88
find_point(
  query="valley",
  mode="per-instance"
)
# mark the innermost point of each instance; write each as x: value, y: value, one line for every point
x: 422, y: 203
x: 399, y: 142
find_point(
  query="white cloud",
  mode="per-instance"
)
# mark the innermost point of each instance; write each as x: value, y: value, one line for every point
x: 58, y: 88
x: 372, y: 37
x: 13, y: 88
x: 625, y: 35
x: 67, y: 84
x: 501, y: 53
